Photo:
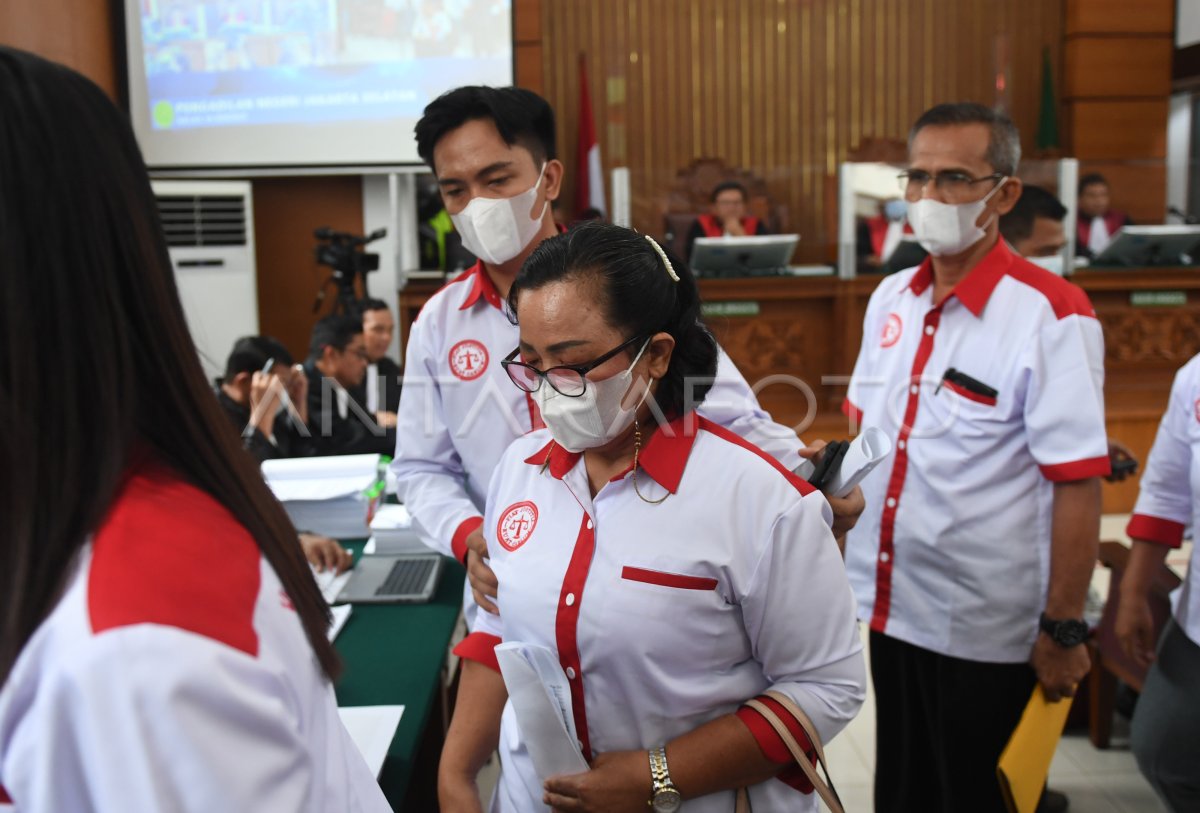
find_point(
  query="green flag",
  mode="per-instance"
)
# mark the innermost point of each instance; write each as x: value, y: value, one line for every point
x: 1047, y: 132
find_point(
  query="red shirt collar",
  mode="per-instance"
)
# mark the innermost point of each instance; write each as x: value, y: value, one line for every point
x: 481, y: 286
x: 975, y: 289
x: 664, y: 458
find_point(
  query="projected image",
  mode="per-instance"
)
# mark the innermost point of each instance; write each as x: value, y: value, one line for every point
x: 213, y: 63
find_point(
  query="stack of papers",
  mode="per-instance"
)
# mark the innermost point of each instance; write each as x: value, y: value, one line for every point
x: 393, y: 531
x: 333, y: 496
x: 866, y: 451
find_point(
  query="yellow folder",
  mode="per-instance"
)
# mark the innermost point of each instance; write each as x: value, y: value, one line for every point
x: 1025, y: 763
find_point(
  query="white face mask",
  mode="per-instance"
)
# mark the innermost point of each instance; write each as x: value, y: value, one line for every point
x: 1053, y: 263
x: 946, y: 229
x: 497, y: 229
x: 594, y: 418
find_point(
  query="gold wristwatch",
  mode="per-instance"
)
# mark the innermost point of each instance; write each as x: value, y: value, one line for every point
x: 664, y: 796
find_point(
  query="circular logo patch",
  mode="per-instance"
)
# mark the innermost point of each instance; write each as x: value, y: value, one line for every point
x: 1198, y: 409
x: 468, y: 359
x: 891, y: 331
x: 516, y: 525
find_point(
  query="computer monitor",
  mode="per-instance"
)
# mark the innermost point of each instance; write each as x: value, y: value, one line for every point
x: 1151, y: 245
x: 759, y: 255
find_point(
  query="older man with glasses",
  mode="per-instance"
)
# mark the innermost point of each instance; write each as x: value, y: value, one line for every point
x: 972, y: 560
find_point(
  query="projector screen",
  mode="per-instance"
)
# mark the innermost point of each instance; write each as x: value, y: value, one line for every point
x: 301, y: 83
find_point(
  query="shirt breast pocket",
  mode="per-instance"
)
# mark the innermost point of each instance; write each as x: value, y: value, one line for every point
x: 661, y: 590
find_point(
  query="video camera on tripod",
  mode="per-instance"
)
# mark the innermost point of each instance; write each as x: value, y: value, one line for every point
x: 344, y: 253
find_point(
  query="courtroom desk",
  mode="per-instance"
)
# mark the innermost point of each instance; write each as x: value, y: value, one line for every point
x: 396, y: 654
x: 796, y: 339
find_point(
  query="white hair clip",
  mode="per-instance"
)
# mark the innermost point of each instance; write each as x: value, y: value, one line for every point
x: 663, y: 254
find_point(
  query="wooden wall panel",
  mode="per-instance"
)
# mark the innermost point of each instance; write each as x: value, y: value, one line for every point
x: 1127, y: 16
x: 784, y: 89
x: 77, y: 33
x: 286, y: 211
x: 1113, y: 130
x: 1101, y: 67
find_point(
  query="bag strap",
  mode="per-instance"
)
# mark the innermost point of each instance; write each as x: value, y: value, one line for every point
x: 823, y: 787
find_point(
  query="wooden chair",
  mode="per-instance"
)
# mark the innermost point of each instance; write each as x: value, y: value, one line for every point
x: 1109, y: 661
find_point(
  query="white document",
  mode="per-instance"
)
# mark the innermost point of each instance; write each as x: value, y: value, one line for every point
x: 322, y: 478
x: 331, y: 583
x: 391, y: 518
x: 871, y: 446
x: 372, y: 728
x: 340, y: 614
x: 541, y: 701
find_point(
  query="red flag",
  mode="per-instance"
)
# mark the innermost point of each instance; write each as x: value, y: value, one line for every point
x: 589, y: 178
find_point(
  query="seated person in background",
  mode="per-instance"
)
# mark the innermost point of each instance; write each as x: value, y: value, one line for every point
x: 728, y: 216
x: 379, y: 394
x: 879, y: 236
x: 271, y: 425
x: 1034, y: 228
x: 1097, y: 222
x: 337, y: 361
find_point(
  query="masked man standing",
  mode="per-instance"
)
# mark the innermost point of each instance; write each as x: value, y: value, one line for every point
x: 972, y: 560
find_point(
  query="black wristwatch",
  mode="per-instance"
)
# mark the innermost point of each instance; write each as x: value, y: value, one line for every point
x: 1066, y: 633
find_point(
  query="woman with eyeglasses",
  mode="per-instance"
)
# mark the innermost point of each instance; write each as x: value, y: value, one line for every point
x: 162, y: 642
x: 674, y: 570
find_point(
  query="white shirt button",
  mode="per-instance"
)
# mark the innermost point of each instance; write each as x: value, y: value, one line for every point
x: 929, y: 330
x: 891, y: 502
x: 902, y: 444
x: 914, y: 389
x: 589, y: 525
x: 570, y: 599
x: 571, y: 672
x: 883, y: 557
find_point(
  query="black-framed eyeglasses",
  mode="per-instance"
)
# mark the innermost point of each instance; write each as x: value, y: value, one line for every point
x: 950, y: 184
x: 567, y: 379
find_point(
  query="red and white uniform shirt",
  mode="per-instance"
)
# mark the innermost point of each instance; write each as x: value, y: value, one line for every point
x: 1169, y: 501
x: 459, y: 412
x: 665, y: 617
x: 173, y: 675
x: 990, y: 398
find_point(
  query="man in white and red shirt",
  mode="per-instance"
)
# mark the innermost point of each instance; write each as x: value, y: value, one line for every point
x: 1166, y: 726
x: 493, y: 151
x: 972, y: 560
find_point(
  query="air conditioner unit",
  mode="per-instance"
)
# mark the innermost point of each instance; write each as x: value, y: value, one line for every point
x: 210, y: 237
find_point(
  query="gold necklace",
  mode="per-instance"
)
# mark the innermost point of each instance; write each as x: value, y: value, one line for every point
x: 637, y: 445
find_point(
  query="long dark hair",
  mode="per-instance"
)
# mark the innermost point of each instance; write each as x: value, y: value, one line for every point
x: 638, y: 295
x: 95, y: 358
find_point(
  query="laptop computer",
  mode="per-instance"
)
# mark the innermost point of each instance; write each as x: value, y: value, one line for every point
x: 409, y: 578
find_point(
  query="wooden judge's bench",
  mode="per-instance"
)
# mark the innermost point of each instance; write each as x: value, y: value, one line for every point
x: 796, y: 338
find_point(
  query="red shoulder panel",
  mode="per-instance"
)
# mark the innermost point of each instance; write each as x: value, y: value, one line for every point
x: 720, y: 431
x: 1066, y: 298
x: 170, y: 554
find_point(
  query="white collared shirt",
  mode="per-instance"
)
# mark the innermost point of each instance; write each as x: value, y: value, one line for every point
x: 174, y: 675
x: 1169, y: 500
x: 667, y: 616
x: 952, y: 553
x: 459, y: 411
x: 1098, y: 236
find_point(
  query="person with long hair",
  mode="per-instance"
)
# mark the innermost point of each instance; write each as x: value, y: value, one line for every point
x: 675, y: 572
x: 162, y: 642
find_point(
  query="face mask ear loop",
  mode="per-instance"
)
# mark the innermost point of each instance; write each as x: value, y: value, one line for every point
x: 637, y: 438
x: 990, y: 195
